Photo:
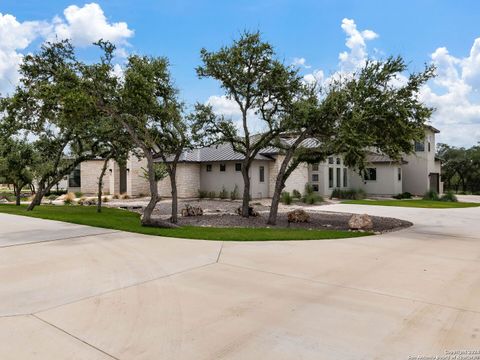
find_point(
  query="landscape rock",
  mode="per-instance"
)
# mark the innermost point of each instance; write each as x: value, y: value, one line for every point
x: 298, y: 216
x: 251, y: 211
x: 360, y: 222
x: 192, y: 210
x: 3, y: 201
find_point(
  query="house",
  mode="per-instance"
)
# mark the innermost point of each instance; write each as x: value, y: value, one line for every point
x: 217, y: 168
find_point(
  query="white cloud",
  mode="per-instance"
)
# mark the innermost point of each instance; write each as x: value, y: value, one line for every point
x: 301, y: 62
x: 317, y: 77
x: 87, y: 24
x: 83, y: 25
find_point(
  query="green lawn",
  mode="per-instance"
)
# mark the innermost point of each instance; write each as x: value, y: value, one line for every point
x: 129, y: 221
x: 414, y: 203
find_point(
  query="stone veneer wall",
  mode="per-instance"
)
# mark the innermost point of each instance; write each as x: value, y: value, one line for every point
x: 188, y: 181
x: 297, y: 179
x: 89, y: 173
x: 136, y: 182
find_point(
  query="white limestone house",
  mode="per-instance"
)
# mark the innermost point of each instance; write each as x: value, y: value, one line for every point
x: 219, y: 167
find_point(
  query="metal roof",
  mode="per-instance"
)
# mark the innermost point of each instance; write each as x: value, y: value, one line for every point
x: 374, y: 158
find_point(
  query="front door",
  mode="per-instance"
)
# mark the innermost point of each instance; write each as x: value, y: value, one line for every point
x: 123, y: 180
x: 435, y: 182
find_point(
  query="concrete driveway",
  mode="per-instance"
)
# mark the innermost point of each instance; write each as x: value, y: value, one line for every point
x: 75, y: 292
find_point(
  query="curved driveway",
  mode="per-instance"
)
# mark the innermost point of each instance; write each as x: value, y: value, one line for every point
x: 74, y: 292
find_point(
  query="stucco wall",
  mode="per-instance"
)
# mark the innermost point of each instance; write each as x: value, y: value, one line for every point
x: 188, y: 181
x: 89, y: 173
x: 387, y: 182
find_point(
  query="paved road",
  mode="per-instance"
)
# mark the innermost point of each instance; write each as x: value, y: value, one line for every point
x: 75, y: 292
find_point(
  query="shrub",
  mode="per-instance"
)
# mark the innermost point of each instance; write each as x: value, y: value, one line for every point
x: 212, y: 195
x: 234, y: 193
x: 105, y: 199
x: 348, y: 194
x: 52, y: 197
x: 202, y: 194
x: 296, y: 194
x: 78, y: 194
x: 69, y: 198
x: 115, y: 196
x: 449, y: 196
x: 286, y: 198
x: 405, y: 195
x: 312, y: 198
x: 431, y: 195
x: 223, y: 194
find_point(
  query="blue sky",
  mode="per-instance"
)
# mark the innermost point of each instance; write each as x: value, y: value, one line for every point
x: 298, y: 29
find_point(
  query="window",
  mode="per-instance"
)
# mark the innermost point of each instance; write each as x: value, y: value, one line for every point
x: 330, y: 160
x: 429, y: 146
x: 370, y: 174
x: 315, y: 167
x: 315, y: 187
x: 209, y: 167
x: 262, y: 173
x: 345, y: 183
x: 330, y: 177
x: 222, y: 167
x: 419, y: 146
x: 338, y: 161
x: 315, y: 177
x: 238, y: 166
x: 399, y: 174
x: 74, y: 179
x: 338, y: 178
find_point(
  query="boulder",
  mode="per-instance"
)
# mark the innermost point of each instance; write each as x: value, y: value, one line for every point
x: 192, y: 210
x: 251, y: 211
x: 298, y: 216
x: 3, y: 201
x: 360, y: 222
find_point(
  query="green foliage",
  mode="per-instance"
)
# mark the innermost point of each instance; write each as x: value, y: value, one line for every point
x: 52, y: 197
x: 234, y: 193
x: 310, y: 196
x: 223, y: 194
x: 350, y: 194
x: 424, y: 204
x: 296, y: 194
x: 404, y: 195
x: 286, y: 198
x: 78, y: 194
x: 160, y: 172
x: 449, y: 196
x: 212, y: 195
x: 431, y: 195
x: 202, y: 194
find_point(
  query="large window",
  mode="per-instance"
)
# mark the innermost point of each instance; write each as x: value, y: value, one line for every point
x: 330, y: 177
x: 74, y: 179
x: 370, y: 174
x: 419, y: 146
x: 238, y: 166
x: 262, y: 173
x: 339, y: 178
x: 223, y: 167
x: 345, y: 177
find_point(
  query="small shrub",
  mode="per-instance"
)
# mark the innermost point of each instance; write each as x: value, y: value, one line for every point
x: 78, y: 194
x: 124, y: 196
x: 348, y: 194
x: 223, y: 194
x: 449, y: 196
x: 139, y: 195
x: 212, y: 195
x: 105, y: 199
x: 296, y: 194
x: 286, y: 198
x: 115, y: 196
x: 308, y: 189
x: 69, y: 198
x: 52, y: 197
x: 202, y: 194
x: 431, y: 195
x: 405, y: 195
x: 312, y: 199
x: 234, y: 193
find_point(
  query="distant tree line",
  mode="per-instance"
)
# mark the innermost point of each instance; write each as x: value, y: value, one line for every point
x: 460, y: 168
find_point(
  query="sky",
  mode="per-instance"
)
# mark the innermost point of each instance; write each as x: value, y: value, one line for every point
x: 321, y: 37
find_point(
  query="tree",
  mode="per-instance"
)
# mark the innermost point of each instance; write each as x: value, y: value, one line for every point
x: 150, y: 112
x: 260, y: 86
x: 16, y: 160
x: 54, y: 106
x: 356, y: 114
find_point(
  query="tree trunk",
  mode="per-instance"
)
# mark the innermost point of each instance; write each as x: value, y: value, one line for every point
x: 246, y: 191
x: 173, y: 184
x: 41, y: 191
x: 100, y: 185
x: 17, y: 190
x: 272, y: 216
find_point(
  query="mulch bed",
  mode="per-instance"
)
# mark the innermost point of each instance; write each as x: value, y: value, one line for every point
x: 318, y: 220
